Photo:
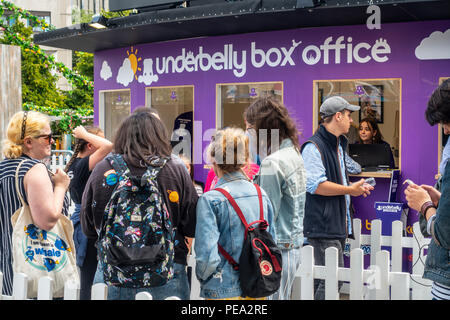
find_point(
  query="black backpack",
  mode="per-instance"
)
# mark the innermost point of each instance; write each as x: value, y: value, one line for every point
x: 260, y: 261
x: 136, y: 243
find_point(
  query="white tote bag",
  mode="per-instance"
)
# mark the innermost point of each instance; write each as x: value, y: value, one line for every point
x: 39, y: 253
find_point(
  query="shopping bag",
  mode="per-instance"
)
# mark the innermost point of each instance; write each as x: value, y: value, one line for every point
x: 39, y: 253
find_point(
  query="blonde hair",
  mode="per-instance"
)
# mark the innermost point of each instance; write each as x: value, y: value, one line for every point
x: 230, y: 149
x: 35, y: 123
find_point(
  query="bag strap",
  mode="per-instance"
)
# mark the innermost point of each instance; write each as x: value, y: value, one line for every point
x: 17, y: 183
x: 236, y: 208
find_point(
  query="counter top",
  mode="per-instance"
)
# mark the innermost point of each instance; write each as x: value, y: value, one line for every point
x: 375, y: 174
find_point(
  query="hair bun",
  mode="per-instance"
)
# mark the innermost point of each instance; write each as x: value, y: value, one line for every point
x: 11, y: 150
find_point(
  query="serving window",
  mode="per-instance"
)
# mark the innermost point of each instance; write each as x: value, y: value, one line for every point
x: 113, y: 108
x: 175, y: 106
x: 379, y: 99
x: 234, y: 98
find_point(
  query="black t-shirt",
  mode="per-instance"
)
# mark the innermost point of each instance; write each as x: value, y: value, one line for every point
x: 175, y: 185
x: 79, y: 174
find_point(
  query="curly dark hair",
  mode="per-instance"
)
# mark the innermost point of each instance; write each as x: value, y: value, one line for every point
x: 438, y: 110
x: 270, y: 114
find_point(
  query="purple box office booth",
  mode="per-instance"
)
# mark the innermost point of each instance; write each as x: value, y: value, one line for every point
x: 417, y: 53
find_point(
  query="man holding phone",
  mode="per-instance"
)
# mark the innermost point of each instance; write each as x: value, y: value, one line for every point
x: 327, y: 221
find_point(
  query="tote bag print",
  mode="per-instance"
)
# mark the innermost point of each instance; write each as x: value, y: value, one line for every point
x: 43, y: 250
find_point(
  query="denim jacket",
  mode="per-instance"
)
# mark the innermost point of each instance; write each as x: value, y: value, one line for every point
x: 282, y: 175
x: 437, y: 263
x: 217, y: 222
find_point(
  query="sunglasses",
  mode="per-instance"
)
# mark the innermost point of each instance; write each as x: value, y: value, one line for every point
x: 47, y: 137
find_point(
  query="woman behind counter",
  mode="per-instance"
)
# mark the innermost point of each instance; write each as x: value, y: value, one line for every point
x: 369, y: 133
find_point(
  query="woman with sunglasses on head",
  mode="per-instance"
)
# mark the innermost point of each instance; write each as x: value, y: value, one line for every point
x: 91, y: 148
x: 28, y: 141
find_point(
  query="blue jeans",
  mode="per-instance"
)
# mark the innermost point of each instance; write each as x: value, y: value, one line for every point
x: 178, y: 286
x: 291, y: 262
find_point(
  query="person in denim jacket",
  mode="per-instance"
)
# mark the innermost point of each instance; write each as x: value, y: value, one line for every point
x: 434, y: 206
x: 282, y: 175
x: 218, y: 223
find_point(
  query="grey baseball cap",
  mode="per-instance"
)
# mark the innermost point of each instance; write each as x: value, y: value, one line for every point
x: 335, y: 104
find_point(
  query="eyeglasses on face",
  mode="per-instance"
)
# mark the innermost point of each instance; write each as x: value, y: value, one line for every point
x: 47, y: 137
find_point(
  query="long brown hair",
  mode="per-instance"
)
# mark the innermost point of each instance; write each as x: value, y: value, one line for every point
x: 270, y: 114
x: 140, y: 137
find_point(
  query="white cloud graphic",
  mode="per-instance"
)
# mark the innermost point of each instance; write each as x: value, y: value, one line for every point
x: 106, y: 72
x: 126, y: 74
x: 147, y: 76
x: 434, y: 47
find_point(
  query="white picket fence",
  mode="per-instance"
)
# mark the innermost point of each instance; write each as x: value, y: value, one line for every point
x: 71, y: 290
x: 59, y: 159
x: 383, y: 280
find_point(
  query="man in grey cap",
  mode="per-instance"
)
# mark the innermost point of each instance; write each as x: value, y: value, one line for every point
x: 327, y: 221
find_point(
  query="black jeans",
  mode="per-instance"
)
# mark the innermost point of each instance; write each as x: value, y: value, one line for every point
x: 320, y: 245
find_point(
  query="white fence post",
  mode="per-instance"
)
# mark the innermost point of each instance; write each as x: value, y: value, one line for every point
x: 399, y: 285
x: 20, y: 286
x: 331, y: 277
x: 356, y: 274
x: 356, y: 243
x: 195, y: 284
x: 144, y: 296
x: 375, y: 240
x: 71, y: 291
x: 421, y: 288
x: 396, y: 245
x: 382, y: 282
x: 307, y: 273
x: 99, y: 292
x: 418, y: 246
x: 45, y: 288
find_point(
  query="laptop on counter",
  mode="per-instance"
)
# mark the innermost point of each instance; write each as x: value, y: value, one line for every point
x: 371, y: 157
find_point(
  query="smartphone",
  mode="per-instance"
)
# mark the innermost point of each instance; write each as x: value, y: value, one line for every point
x: 408, y: 181
x: 370, y: 181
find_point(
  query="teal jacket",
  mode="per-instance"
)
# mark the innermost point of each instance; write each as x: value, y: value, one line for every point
x: 283, y: 177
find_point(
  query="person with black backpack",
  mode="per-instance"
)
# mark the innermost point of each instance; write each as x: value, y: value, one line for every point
x: 139, y: 203
x: 236, y: 256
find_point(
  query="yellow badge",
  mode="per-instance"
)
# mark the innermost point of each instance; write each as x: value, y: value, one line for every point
x: 173, y: 196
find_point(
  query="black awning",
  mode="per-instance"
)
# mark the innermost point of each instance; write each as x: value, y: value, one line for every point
x: 236, y: 17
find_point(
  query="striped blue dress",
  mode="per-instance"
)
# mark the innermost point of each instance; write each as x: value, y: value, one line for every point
x: 9, y: 203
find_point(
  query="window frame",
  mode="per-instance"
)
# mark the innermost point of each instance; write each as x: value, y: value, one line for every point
x: 101, y: 106
x: 219, y: 111
x: 316, y: 106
